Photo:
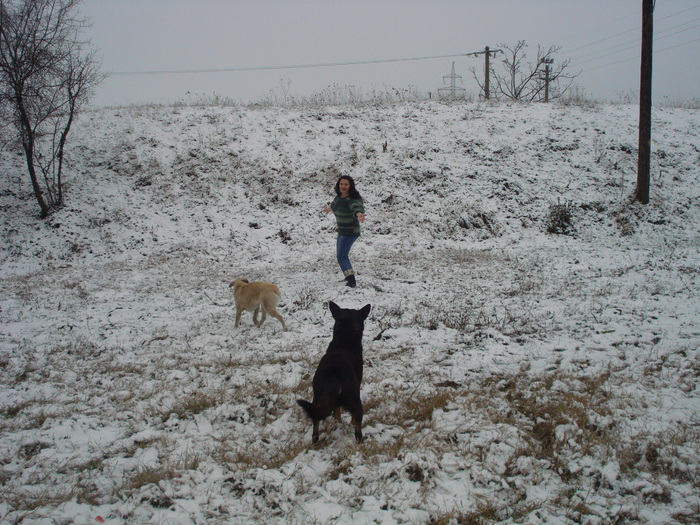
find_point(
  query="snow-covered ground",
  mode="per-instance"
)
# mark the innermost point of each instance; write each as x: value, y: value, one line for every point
x: 519, y: 367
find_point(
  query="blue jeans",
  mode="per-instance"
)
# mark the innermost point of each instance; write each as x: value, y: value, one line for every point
x: 343, y: 246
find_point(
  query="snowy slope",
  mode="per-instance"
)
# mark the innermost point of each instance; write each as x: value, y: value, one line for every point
x: 512, y: 374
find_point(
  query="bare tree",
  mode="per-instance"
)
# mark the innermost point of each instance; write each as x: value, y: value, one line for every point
x: 46, y: 74
x: 518, y: 79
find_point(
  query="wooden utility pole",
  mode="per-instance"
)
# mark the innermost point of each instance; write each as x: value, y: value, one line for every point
x: 547, y: 70
x: 487, y: 91
x: 644, y: 155
x: 487, y: 67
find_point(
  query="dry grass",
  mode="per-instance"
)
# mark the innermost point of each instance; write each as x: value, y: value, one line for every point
x: 194, y: 403
x: 36, y: 496
x: 544, y: 417
x: 434, y: 415
x: 261, y: 454
x: 486, y: 512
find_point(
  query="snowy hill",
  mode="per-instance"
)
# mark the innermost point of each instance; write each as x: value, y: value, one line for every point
x: 531, y: 355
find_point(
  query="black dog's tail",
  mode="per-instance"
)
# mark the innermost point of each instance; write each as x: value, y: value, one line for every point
x: 315, y: 412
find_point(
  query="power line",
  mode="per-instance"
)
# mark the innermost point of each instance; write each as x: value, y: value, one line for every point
x: 604, y: 39
x: 385, y: 61
x: 274, y: 68
x: 637, y: 57
x: 635, y: 45
x: 587, y: 32
x: 678, y: 45
x: 678, y: 13
x: 657, y: 36
x: 635, y: 29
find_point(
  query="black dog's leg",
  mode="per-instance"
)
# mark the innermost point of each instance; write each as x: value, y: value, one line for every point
x: 357, y: 421
x: 354, y: 406
x: 314, y: 436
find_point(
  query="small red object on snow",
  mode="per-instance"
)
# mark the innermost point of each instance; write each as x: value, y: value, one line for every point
x: 99, y: 519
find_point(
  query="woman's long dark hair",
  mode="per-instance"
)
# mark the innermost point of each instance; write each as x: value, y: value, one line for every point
x: 353, y: 193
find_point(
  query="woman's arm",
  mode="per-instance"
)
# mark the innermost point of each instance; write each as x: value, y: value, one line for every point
x: 329, y: 208
x: 358, y: 209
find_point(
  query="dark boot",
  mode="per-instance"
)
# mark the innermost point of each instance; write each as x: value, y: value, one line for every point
x: 351, y: 281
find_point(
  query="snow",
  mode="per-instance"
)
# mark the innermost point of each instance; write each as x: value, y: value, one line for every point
x: 511, y: 374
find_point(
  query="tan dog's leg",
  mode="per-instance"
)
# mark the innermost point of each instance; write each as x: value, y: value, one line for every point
x: 255, y: 316
x: 281, y: 320
x: 239, y: 311
x: 271, y: 308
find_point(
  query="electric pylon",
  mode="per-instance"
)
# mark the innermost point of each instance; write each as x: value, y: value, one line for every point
x: 453, y: 92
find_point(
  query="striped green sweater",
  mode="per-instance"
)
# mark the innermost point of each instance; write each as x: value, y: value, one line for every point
x: 345, y: 211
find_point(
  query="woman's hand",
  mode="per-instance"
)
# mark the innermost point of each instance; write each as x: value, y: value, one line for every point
x: 327, y: 209
x: 361, y: 217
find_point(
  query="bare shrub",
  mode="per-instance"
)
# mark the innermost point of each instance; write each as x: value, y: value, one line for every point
x: 577, y: 96
x: 471, y: 218
x: 561, y: 219
x: 306, y: 298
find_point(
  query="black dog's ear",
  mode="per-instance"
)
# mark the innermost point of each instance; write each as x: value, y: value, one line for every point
x: 335, y: 309
x: 365, y: 311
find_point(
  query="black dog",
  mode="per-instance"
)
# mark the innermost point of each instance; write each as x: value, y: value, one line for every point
x: 339, y: 374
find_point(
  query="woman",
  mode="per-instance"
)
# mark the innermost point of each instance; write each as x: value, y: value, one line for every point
x: 349, y: 211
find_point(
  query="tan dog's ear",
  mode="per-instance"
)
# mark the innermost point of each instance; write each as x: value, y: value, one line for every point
x: 233, y: 283
x: 245, y: 281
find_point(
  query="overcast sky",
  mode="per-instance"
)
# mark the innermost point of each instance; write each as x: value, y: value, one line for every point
x: 601, y: 37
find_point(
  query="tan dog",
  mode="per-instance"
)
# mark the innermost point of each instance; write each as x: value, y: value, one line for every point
x: 254, y: 297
